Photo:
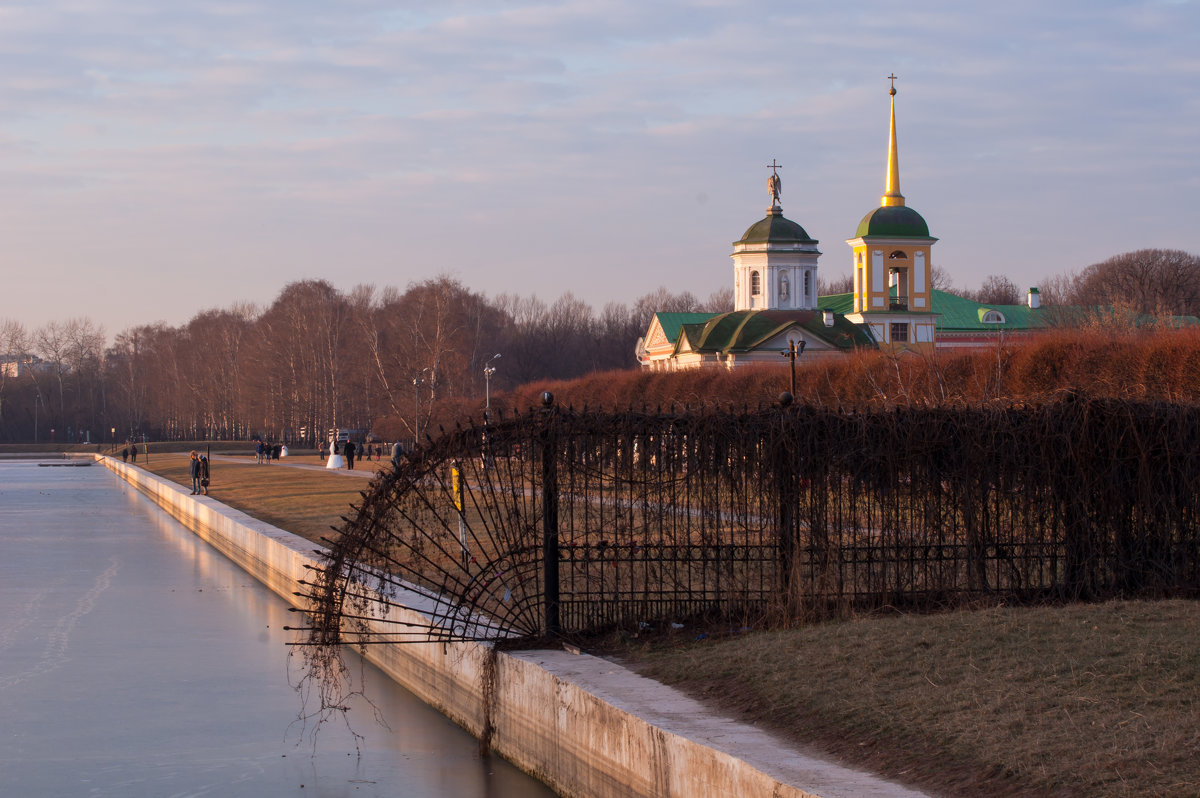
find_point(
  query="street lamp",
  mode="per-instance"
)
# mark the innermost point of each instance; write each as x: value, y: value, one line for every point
x: 418, y: 381
x: 37, y: 400
x: 488, y: 371
x: 794, y: 350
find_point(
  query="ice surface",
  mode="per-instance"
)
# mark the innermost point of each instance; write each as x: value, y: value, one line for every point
x: 137, y: 661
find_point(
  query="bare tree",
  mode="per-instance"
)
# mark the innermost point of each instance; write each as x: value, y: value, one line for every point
x: 996, y: 290
x: 719, y: 301
x: 1153, y: 281
x: 662, y: 300
x: 85, y: 352
x: 300, y: 369
x: 617, y: 330
x: 1056, y: 290
x: 939, y: 279
x: 14, y: 347
x: 838, y: 285
x: 52, y: 342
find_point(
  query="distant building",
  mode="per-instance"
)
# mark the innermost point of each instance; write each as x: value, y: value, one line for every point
x: 775, y: 291
x: 16, y: 365
x: 893, y: 305
x: 962, y: 323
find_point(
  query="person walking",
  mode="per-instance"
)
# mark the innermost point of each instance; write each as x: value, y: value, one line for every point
x: 125, y: 455
x: 194, y: 470
x: 349, y: 449
x: 204, y: 474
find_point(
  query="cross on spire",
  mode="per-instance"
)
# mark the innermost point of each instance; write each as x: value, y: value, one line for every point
x: 892, y: 78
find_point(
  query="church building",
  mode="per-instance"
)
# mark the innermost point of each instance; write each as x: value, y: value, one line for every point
x: 893, y: 306
x: 776, y: 308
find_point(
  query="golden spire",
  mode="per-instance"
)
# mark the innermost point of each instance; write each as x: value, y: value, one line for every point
x: 892, y: 195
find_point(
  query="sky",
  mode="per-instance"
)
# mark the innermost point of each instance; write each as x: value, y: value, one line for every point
x: 159, y: 159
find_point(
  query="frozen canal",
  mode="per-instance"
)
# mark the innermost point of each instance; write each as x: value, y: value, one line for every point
x: 137, y: 661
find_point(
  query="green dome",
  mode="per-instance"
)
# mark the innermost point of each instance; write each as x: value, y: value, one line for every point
x: 775, y: 229
x: 893, y: 221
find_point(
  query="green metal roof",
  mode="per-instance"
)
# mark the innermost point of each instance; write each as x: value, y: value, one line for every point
x: 956, y: 314
x: 746, y: 330
x: 672, y: 322
x: 838, y: 303
x: 967, y: 315
x: 775, y: 229
x: 893, y: 221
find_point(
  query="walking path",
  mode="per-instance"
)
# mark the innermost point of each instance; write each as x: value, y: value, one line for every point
x: 366, y: 470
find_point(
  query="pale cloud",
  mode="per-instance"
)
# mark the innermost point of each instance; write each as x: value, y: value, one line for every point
x: 599, y: 147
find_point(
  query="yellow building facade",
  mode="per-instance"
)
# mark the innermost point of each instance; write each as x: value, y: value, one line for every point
x: 892, y: 260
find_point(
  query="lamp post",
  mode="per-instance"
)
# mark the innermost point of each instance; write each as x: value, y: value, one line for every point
x: 418, y: 381
x: 488, y: 371
x: 37, y: 400
x: 794, y: 350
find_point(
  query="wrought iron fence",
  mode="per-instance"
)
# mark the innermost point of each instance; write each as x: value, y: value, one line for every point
x: 560, y: 521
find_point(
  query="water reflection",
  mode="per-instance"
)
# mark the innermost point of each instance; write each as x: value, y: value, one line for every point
x: 150, y: 665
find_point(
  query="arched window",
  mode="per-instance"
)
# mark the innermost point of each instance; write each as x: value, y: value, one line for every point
x: 993, y: 317
x: 755, y: 284
x: 898, y: 255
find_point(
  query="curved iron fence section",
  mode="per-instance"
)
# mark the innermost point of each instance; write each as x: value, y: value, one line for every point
x: 558, y: 521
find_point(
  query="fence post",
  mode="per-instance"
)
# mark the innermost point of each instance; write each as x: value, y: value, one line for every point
x: 785, y: 482
x: 550, y: 518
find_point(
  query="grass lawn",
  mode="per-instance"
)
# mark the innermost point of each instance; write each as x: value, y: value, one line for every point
x: 305, y: 502
x: 1085, y: 700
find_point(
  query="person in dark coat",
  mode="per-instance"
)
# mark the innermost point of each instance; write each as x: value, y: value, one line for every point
x: 125, y: 455
x: 204, y: 474
x: 349, y: 449
x: 194, y: 471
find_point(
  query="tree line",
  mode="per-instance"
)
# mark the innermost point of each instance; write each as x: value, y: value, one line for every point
x: 1151, y: 281
x: 381, y: 360
x: 314, y: 359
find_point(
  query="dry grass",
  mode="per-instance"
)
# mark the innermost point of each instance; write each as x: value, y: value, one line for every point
x: 1099, y: 361
x: 303, y: 501
x: 1085, y: 700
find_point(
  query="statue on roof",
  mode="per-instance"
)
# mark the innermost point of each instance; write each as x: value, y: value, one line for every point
x: 774, y: 184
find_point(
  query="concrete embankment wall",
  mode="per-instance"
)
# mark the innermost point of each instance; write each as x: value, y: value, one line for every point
x: 572, y: 721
